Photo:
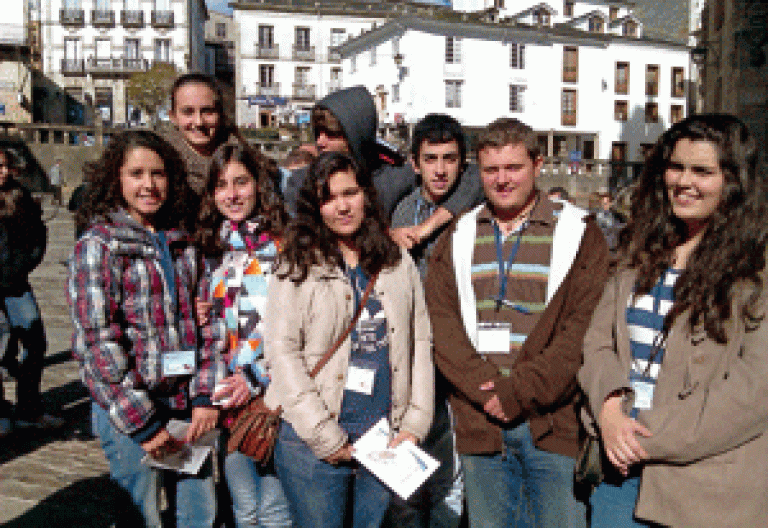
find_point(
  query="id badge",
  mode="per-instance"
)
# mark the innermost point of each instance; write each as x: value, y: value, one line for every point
x: 493, y: 338
x: 179, y: 363
x: 643, y: 394
x: 360, y: 380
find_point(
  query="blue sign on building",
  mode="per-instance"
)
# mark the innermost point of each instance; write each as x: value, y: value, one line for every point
x: 263, y: 100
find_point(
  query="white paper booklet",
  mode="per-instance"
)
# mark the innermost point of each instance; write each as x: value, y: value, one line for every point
x: 403, y: 469
x: 191, y: 457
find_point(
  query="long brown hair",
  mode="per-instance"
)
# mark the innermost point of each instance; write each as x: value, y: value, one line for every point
x: 732, y: 249
x: 268, y: 207
x: 309, y: 241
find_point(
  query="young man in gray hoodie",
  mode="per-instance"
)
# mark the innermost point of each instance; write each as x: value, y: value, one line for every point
x: 346, y: 121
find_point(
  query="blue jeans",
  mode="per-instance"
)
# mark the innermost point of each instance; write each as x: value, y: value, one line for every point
x: 257, y: 496
x: 613, y: 506
x: 195, y: 497
x: 26, y: 326
x: 523, y: 486
x: 318, y: 492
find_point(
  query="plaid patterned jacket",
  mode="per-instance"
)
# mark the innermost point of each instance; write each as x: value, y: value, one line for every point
x: 124, y: 319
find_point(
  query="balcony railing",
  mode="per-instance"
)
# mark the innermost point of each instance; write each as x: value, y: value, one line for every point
x: 622, y: 87
x: 303, y: 53
x: 72, y: 17
x: 267, y: 51
x: 570, y: 74
x: 333, y: 55
x: 72, y: 66
x: 304, y: 91
x: 134, y: 18
x: 652, y: 88
x: 334, y: 86
x: 103, y: 17
x: 116, y: 65
x: 163, y: 19
x: 268, y: 90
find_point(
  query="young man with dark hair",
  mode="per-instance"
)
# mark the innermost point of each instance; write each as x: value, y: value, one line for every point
x: 346, y: 121
x: 438, y: 156
x: 511, y: 288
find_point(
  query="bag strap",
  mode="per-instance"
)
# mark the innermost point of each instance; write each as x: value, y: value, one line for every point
x: 331, y: 351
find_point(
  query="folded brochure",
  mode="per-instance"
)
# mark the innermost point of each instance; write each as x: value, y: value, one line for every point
x: 191, y: 457
x: 403, y: 468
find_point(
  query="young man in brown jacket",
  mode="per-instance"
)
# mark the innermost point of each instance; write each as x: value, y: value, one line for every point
x: 511, y: 289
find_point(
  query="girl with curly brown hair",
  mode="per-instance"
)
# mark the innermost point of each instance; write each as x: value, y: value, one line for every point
x: 675, y: 363
x: 334, y: 250
x: 132, y: 280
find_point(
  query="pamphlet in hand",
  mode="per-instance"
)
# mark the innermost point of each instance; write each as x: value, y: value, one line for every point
x: 190, y: 458
x: 403, y: 468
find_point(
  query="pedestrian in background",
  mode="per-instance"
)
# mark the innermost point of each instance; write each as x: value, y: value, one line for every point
x: 23, y: 235
x: 56, y: 179
x: 675, y: 359
x: 337, y: 249
x: 240, y: 225
x: 132, y: 280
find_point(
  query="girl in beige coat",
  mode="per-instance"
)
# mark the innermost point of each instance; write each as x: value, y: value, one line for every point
x: 675, y: 360
x: 336, y: 245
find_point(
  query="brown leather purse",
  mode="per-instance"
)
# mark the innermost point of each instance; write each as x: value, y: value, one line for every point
x: 253, y: 428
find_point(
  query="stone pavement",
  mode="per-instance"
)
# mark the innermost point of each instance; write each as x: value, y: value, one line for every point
x: 57, y: 479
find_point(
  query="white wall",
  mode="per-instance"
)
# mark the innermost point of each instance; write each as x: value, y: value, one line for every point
x: 485, y: 91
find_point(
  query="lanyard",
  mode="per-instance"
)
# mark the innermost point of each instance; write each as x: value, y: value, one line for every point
x: 419, y: 205
x: 504, y: 271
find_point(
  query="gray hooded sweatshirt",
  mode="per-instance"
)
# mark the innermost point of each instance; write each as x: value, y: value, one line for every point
x: 356, y: 112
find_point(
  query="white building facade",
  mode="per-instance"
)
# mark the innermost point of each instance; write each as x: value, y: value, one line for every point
x: 91, y: 47
x: 15, y: 70
x: 285, y: 59
x: 592, y: 86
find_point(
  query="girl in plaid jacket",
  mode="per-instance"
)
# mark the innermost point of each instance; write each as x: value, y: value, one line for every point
x: 131, y: 289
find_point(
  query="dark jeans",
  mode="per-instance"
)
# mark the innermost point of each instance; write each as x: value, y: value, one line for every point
x: 26, y: 326
x: 427, y: 506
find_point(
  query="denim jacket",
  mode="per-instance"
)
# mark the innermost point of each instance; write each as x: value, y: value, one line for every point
x: 125, y: 319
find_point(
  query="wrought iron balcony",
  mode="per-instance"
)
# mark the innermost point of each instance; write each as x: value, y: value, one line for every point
x: 269, y: 52
x: 304, y: 53
x: 72, y: 67
x: 116, y: 65
x: 162, y: 19
x: 72, y: 17
x: 268, y: 90
x: 304, y: 92
x: 133, y: 18
x: 103, y: 17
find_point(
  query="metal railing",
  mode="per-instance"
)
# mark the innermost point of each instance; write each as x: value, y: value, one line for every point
x: 132, y: 18
x: 73, y: 66
x: 162, y: 18
x: 73, y: 17
x: 266, y: 52
x: 304, y: 91
x: 102, y: 17
x: 304, y: 53
x: 268, y: 90
x: 116, y: 65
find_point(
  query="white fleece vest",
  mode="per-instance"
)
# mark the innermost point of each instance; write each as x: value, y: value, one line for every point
x: 569, y: 230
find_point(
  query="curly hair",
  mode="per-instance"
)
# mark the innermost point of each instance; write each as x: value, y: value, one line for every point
x: 104, y: 192
x: 732, y: 250
x: 309, y: 241
x: 269, y: 207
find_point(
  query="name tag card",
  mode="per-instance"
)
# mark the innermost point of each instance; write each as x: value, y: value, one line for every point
x: 179, y: 363
x: 643, y: 394
x: 360, y: 380
x: 493, y: 338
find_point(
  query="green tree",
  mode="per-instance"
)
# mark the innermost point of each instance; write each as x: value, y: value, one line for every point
x: 151, y: 89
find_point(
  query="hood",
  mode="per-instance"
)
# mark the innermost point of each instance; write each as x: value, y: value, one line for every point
x: 356, y: 112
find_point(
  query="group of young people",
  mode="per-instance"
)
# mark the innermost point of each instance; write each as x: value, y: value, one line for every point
x: 484, y: 322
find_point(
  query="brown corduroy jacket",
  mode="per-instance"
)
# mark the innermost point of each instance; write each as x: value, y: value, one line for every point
x: 541, y: 388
